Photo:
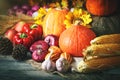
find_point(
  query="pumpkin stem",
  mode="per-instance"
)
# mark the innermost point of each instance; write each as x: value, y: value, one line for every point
x: 78, y: 22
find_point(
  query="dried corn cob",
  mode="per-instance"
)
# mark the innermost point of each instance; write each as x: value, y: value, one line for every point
x: 102, y: 50
x: 98, y: 64
x: 111, y: 38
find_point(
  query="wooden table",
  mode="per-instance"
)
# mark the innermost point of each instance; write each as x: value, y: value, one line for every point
x: 11, y: 69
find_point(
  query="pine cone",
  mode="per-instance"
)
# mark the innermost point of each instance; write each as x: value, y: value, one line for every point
x: 19, y: 52
x: 6, y: 46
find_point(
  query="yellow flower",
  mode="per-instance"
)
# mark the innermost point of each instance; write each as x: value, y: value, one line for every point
x: 39, y: 18
x: 69, y: 18
x: 81, y: 2
x: 38, y: 22
x: 68, y: 23
x: 82, y: 16
x: 57, y: 4
x: 86, y: 19
x: 78, y: 3
x: 64, y: 3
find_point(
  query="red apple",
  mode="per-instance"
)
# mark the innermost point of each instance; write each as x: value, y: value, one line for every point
x: 19, y: 25
x: 10, y: 34
x: 52, y: 40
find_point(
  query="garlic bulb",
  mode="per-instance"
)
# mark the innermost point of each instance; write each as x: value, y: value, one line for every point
x: 62, y: 65
x: 48, y: 64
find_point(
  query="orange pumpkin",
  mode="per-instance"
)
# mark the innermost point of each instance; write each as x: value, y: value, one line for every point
x: 54, y: 22
x: 101, y: 7
x: 75, y: 39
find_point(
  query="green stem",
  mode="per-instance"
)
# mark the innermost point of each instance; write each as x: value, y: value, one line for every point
x: 33, y: 26
x: 23, y: 35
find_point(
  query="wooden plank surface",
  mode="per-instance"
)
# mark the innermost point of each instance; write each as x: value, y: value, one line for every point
x: 11, y: 69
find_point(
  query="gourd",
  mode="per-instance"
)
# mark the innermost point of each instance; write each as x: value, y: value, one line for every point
x: 106, y: 24
x: 101, y: 7
x: 56, y: 53
x: 76, y: 38
x: 54, y: 22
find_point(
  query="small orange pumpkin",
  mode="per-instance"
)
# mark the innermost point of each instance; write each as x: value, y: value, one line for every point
x: 101, y: 7
x: 54, y: 22
x: 74, y: 39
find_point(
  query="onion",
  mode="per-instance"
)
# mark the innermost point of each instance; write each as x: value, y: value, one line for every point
x: 25, y: 7
x: 30, y: 12
x: 20, y: 11
x: 39, y: 55
x: 35, y: 7
x: 16, y: 7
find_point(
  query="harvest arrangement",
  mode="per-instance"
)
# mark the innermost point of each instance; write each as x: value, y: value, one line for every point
x: 60, y: 34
